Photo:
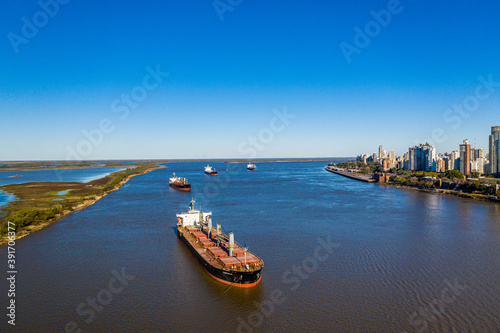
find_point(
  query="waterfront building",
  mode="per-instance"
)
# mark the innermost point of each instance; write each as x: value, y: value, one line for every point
x: 406, y: 161
x: 477, y: 153
x: 430, y: 158
x: 392, y: 155
x: 363, y: 158
x: 440, y: 163
x: 400, y: 162
x: 478, y: 165
x: 465, y: 157
x: 448, y: 164
x: 495, y: 151
x: 455, y: 160
x: 425, y: 158
x: 386, y: 164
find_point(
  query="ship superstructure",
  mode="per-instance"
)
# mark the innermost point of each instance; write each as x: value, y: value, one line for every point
x: 252, y: 167
x: 211, y: 171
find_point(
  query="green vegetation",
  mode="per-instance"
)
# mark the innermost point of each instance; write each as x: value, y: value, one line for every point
x: 454, y: 174
x: 28, y: 217
x: 121, y: 176
x: 473, y: 186
x: 399, y: 180
x: 365, y: 168
x: 36, y: 203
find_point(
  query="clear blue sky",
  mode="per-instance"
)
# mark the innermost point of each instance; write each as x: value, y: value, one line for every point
x: 227, y: 76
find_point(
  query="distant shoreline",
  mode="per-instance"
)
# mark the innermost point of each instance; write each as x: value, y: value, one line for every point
x: 65, y: 165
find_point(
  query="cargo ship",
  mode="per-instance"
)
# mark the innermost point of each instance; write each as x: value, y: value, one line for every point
x: 211, y: 171
x: 252, y: 167
x: 179, y: 183
x: 217, y: 253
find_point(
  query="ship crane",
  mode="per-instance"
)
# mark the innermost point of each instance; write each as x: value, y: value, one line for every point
x: 245, y: 249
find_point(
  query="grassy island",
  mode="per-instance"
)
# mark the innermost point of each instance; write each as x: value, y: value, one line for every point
x: 35, y: 207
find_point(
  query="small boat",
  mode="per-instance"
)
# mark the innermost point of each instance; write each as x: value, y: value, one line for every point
x: 179, y: 183
x: 15, y: 176
x: 211, y: 171
x: 218, y: 254
x: 252, y: 167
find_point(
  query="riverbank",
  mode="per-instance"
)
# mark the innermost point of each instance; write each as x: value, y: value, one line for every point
x: 36, y: 207
x: 352, y: 175
x: 461, y: 188
x: 475, y: 196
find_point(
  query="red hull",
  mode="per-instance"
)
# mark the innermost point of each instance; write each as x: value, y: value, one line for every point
x: 234, y: 284
x: 185, y: 189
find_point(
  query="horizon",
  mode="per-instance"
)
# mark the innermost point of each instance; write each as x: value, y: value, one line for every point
x: 242, y: 160
x: 252, y: 80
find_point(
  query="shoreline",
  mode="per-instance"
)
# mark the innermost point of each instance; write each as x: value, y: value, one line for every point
x: 82, y: 206
x: 443, y: 191
x: 352, y: 175
x: 474, y: 196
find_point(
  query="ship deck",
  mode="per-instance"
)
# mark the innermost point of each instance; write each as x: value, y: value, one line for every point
x: 218, y: 256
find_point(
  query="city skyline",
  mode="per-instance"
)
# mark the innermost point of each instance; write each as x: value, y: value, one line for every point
x: 425, y: 157
x: 184, y: 80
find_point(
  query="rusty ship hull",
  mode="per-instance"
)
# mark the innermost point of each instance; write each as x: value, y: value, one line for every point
x: 236, y: 271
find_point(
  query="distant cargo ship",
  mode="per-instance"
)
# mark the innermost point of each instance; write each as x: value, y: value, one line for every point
x: 211, y: 171
x: 252, y: 167
x: 179, y: 183
x: 220, y: 257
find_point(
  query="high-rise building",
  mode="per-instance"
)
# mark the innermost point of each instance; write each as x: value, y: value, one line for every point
x: 425, y: 157
x: 430, y: 156
x: 406, y: 161
x: 412, y: 158
x: 495, y: 151
x: 477, y: 160
x: 465, y: 157
x: 392, y: 155
x: 447, y: 162
x: 455, y: 160
x: 478, y: 165
x: 380, y: 152
x: 421, y: 158
x: 477, y: 153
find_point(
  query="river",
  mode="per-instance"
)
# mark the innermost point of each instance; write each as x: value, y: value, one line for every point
x: 340, y: 256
